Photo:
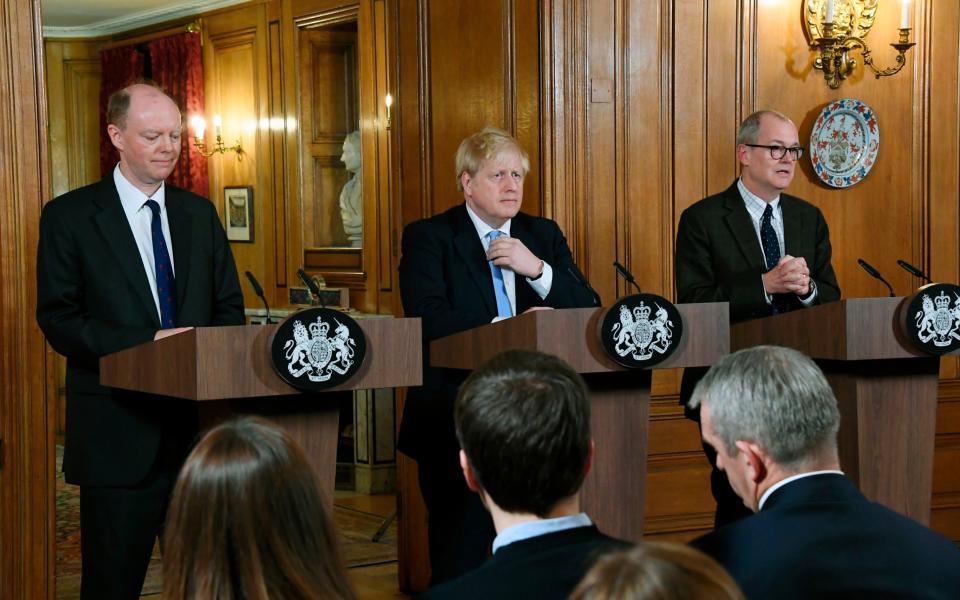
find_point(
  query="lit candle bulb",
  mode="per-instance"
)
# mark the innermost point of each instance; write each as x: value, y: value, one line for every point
x: 217, y: 122
x: 199, y: 126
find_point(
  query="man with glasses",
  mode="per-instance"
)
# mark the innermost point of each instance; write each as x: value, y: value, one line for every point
x: 763, y: 251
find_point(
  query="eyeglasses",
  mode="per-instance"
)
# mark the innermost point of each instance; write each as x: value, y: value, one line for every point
x: 778, y: 152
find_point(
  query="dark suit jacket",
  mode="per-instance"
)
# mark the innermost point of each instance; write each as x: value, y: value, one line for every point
x: 818, y: 537
x: 445, y: 281
x: 543, y: 567
x: 93, y: 298
x: 719, y: 258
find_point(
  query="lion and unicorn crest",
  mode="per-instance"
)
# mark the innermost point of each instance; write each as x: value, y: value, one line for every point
x: 639, y: 335
x: 314, y: 353
x: 938, y: 322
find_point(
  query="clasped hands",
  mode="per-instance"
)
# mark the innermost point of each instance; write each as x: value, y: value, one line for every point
x: 790, y: 276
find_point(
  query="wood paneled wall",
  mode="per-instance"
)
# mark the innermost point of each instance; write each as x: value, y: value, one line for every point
x: 26, y: 454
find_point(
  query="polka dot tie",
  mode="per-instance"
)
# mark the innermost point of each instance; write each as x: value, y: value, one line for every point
x: 166, y: 286
x: 499, y: 289
x: 771, y: 248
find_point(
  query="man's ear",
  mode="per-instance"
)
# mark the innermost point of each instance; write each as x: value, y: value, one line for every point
x: 115, y: 135
x: 589, y: 464
x: 465, y: 180
x: 468, y: 474
x: 755, y: 460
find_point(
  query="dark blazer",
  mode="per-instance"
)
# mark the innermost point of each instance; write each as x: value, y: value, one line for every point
x: 543, y: 567
x: 719, y: 258
x: 94, y: 299
x: 818, y: 537
x: 445, y: 281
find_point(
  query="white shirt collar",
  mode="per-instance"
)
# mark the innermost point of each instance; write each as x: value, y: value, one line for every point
x: 784, y: 482
x: 532, y: 529
x: 132, y: 197
x: 757, y: 202
x: 482, y: 228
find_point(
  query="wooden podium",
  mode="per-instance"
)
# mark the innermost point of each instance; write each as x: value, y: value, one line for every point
x: 614, y: 491
x: 212, y: 365
x: 887, y: 393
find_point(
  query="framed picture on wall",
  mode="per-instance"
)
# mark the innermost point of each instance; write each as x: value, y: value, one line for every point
x: 238, y: 213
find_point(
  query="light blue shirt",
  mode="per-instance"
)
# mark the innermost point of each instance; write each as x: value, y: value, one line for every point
x: 541, y: 285
x: 532, y: 529
x: 140, y: 218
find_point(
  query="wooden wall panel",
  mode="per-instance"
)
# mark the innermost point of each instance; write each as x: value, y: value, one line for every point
x: 27, y: 527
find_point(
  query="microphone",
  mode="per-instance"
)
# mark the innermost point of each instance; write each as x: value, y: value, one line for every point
x: 311, y: 285
x: 913, y: 270
x: 579, y: 278
x: 875, y: 274
x: 626, y: 275
x: 259, y: 292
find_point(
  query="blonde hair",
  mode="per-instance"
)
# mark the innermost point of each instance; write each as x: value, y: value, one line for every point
x: 488, y: 144
x: 657, y: 571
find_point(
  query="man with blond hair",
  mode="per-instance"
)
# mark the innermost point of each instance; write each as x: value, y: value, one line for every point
x: 479, y: 262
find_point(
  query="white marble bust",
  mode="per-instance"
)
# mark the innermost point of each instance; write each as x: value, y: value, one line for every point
x: 351, y: 197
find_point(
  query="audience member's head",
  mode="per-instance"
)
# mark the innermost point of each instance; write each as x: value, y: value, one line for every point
x: 247, y: 520
x: 523, y: 421
x: 657, y: 571
x: 769, y: 413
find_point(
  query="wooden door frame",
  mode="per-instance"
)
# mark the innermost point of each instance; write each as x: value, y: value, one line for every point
x: 27, y: 477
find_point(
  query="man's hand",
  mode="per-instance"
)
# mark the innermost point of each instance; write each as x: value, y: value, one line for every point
x: 168, y: 332
x: 790, y: 276
x: 511, y: 253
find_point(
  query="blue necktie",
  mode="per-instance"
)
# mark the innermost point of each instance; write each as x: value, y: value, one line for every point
x: 499, y: 289
x: 166, y: 286
x: 771, y: 251
x: 768, y: 237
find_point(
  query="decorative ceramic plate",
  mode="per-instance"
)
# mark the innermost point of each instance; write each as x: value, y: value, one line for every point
x: 844, y: 142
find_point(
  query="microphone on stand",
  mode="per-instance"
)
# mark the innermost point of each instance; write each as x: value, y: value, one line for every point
x: 259, y: 292
x: 312, y: 286
x: 875, y: 274
x: 913, y: 270
x: 579, y: 278
x: 627, y: 275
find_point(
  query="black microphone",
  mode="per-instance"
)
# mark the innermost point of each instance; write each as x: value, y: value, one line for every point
x: 311, y: 285
x: 579, y: 278
x: 875, y: 274
x: 259, y: 292
x: 913, y: 270
x: 626, y: 275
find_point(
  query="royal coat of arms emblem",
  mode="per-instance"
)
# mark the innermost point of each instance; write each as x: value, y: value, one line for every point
x: 931, y: 318
x: 317, y: 348
x: 641, y: 330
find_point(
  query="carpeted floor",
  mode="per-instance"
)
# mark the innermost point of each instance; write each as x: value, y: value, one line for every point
x: 356, y: 528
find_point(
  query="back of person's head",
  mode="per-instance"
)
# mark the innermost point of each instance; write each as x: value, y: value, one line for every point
x: 657, y: 571
x: 489, y: 143
x: 247, y: 520
x: 523, y: 421
x: 775, y: 397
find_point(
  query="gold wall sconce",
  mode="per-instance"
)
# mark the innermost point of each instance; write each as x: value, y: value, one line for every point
x: 838, y: 27
x: 199, y: 125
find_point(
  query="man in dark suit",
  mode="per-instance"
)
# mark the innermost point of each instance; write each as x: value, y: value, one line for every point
x: 523, y: 421
x: 761, y: 250
x: 772, y: 418
x: 122, y: 262
x: 476, y: 263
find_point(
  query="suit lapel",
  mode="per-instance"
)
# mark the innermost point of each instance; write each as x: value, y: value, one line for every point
x: 471, y: 254
x: 181, y: 236
x: 115, y: 229
x: 741, y: 227
x: 792, y: 225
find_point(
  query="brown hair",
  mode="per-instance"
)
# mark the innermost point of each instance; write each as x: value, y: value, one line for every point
x: 119, y: 102
x: 247, y: 520
x: 657, y: 571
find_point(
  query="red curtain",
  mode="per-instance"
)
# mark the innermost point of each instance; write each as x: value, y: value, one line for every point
x: 178, y: 67
x: 121, y: 67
